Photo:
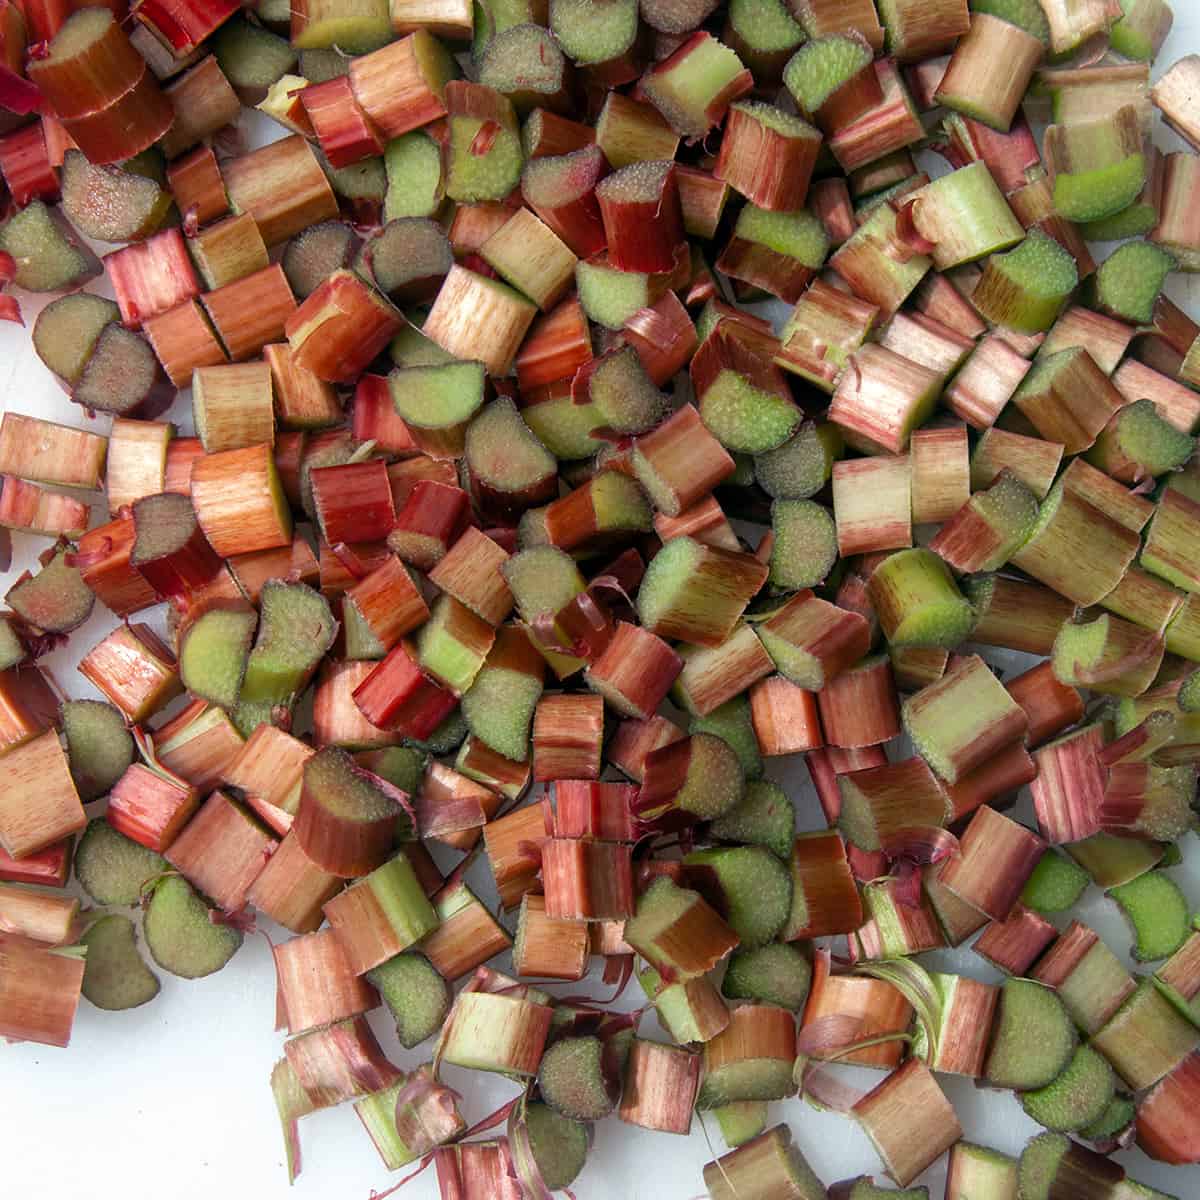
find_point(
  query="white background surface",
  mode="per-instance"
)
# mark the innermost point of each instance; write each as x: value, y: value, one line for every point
x: 172, y: 1099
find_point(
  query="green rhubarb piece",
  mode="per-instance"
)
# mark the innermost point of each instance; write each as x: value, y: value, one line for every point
x: 594, y: 31
x: 112, y: 868
x: 48, y: 254
x: 413, y: 164
x: 802, y: 466
x: 763, y: 27
x: 402, y: 766
x: 317, y: 65
x: 12, y: 649
x: 741, y: 1120
x: 1156, y: 907
x: 398, y: 898
x: 1025, y: 14
x: 1105, y: 189
x: 1010, y: 511
x: 296, y: 629
x: 748, y: 1079
x: 1143, y: 27
x: 805, y: 546
x: 99, y: 746
x: 542, y: 580
x: 659, y: 908
x: 714, y: 783
x: 564, y: 427
x: 677, y: 1006
x: 504, y: 454
x: 575, y: 1081
x: 362, y: 183
x: 619, y: 504
x: 864, y: 1187
x: 437, y: 397
x: 746, y: 418
x: 798, y: 235
x: 1117, y: 1115
x: 180, y: 934
x: 1139, y: 433
x: 411, y: 348
x: 67, y: 329
x: 559, y: 1145
x: 1052, y: 1165
x: 764, y: 816
x: 55, y: 599
x: 498, y: 709
x: 250, y: 57
x: 1055, y: 886
x: 776, y: 974
x: 526, y: 64
x: 731, y: 721
x: 354, y: 26
x: 1135, y: 221
x: 969, y: 205
x: 1129, y: 281
x: 932, y: 611
x: 441, y: 651
x: 623, y: 393
x: 213, y: 653
x: 114, y: 977
x: 416, y: 995
x: 1026, y: 287
x: 822, y: 66
x: 1033, y: 1037
x: 610, y: 297
x: 111, y: 204
x: 495, y: 16
x: 749, y: 886
x: 1077, y: 1097
x: 687, y: 91
x: 472, y: 176
x: 1146, y: 1038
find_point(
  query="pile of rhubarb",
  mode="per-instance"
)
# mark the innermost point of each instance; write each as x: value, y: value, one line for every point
x: 506, y: 540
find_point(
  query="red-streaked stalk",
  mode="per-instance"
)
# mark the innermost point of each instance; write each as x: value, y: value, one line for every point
x: 587, y: 880
x: 316, y: 985
x: 996, y: 857
x: 513, y: 844
x: 133, y: 668
x: 826, y: 896
x: 871, y: 1008
x: 784, y: 717
x: 567, y: 732
x: 635, y: 739
x: 198, y: 744
x: 871, y: 504
x: 397, y: 695
x: 150, y: 807
x: 661, y: 1083
x: 39, y: 991
x: 1069, y: 787
x: 48, y: 867
x: 859, y: 707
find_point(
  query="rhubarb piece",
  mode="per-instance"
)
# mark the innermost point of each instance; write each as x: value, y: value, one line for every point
x: 179, y: 934
x: 1130, y: 279
x: 971, y: 696
x: 909, y: 1121
x: 55, y: 600
x: 1138, y: 442
x: 296, y: 629
x: 1026, y: 288
x: 623, y: 393
x: 115, y: 977
x: 776, y: 974
x: 315, y: 253
x: 750, y: 888
x: 801, y: 466
x: 990, y: 69
x: 880, y: 804
x: 594, y: 35
x: 805, y: 546
x: 731, y: 722
x: 697, y: 592
x: 66, y: 331
x: 1033, y: 1040
x: 1099, y: 166
x: 767, y: 1165
x: 694, y: 86
x: 873, y: 267
x: 750, y: 1059
x: 510, y: 470
x: 48, y: 255
x: 1147, y: 1038
x: 1077, y: 1097
x: 493, y: 1032
x: 110, y: 204
x: 832, y: 79
x: 558, y: 1145
x: 578, y: 1080
x: 1053, y: 1165
x: 826, y: 328
x: 112, y: 868
x: 779, y: 252
x: 1157, y: 909
x: 677, y: 932
x: 1065, y: 521
x: 484, y: 149
x: 239, y: 501
x: 417, y: 997
x: 120, y: 376
x: 975, y: 1170
x: 213, y: 653
x: 859, y: 707
x: 1055, y: 885
x: 98, y: 746
x: 917, y: 601
x: 812, y: 641
x: 680, y: 462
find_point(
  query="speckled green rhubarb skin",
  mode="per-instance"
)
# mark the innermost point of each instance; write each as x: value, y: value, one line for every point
x: 1128, y: 282
x: 821, y: 66
x: 1077, y: 1097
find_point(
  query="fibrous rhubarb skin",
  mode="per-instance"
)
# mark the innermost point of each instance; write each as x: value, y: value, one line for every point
x: 918, y: 602
x: 875, y: 269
